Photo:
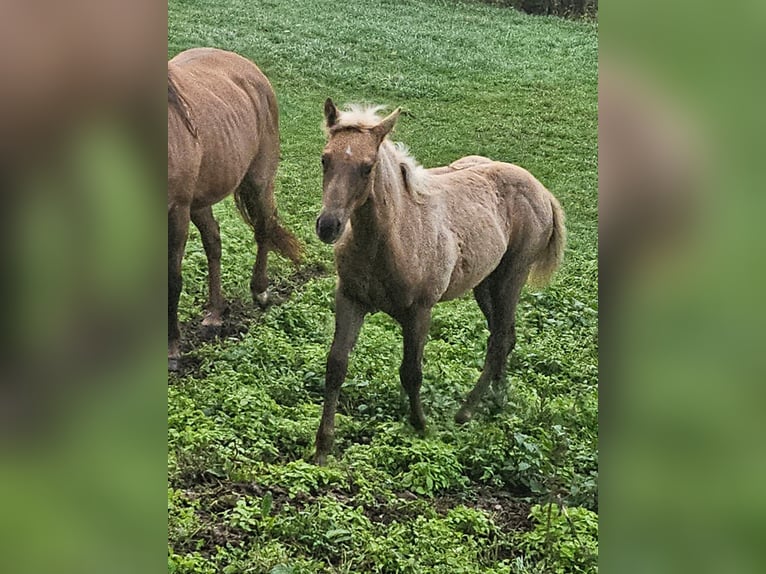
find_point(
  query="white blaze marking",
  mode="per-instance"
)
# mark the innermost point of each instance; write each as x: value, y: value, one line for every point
x: 348, y: 151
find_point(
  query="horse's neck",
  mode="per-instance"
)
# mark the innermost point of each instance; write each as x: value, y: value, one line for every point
x: 379, y: 219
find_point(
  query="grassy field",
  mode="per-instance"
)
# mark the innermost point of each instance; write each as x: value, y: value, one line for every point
x: 242, y: 495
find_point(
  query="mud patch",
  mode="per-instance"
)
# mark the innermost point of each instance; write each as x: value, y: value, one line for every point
x: 239, y: 317
x: 508, y: 512
x: 214, y: 497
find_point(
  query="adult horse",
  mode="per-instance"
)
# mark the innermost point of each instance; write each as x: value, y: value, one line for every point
x: 223, y: 138
x: 407, y: 238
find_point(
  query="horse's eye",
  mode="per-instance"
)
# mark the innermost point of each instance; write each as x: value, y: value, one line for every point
x: 365, y: 168
x: 324, y: 161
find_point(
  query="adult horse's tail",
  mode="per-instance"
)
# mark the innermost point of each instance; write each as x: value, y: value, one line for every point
x: 286, y: 243
x: 549, y: 261
x: 259, y: 213
x: 177, y: 100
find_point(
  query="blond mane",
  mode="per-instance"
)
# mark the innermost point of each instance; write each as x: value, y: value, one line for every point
x: 415, y: 175
x: 360, y: 116
x: 366, y: 116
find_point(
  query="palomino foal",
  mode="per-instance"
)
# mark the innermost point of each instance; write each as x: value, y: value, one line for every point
x: 407, y: 238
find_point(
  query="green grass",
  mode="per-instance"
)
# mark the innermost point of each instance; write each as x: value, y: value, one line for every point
x: 473, y: 79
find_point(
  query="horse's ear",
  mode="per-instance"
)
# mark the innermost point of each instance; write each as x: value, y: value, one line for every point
x: 330, y: 113
x: 386, y: 124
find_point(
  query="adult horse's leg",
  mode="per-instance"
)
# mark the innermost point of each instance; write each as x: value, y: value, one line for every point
x: 256, y: 202
x: 255, y: 198
x: 348, y: 321
x: 178, y: 227
x: 415, y: 331
x: 262, y: 213
x: 503, y: 288
x: 211, y: 241
x: 259, y: 282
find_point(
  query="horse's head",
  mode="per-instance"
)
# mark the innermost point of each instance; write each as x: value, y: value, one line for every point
x: 348, y: 161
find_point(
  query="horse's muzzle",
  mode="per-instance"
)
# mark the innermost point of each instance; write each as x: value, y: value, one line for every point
x: 328, y: 228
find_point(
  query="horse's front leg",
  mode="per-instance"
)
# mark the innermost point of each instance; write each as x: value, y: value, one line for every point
x: 415, y: 332
x: 178, y: 228
x: 348, y: 321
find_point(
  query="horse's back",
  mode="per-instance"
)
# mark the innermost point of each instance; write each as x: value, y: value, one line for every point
x: 509, y: 180
x: 199, y: 58
x: 516, y: 201
x: 209, y: 63
x: 457, y: 165
x: 529, y: 206
x: 218, y: 81
x: 234, y: 110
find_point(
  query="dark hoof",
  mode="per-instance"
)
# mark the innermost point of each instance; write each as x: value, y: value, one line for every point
x: 419, y: 426
x: 174, y: 364
x: 210, y: 331
x: 463, y: 416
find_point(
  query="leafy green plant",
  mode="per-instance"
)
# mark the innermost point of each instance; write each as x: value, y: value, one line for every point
x: 563, y: 540
x: 435, y: 467
x: 469, y: 521
x: 190, y: 563
x: 326, y: 529
x: 300, y: 477
x: 183, y: 523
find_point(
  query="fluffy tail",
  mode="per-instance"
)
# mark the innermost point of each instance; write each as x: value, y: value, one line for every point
x: 263, y: 220
x: 177, y: 100
x: 286, y: 243
x: 550, y: 259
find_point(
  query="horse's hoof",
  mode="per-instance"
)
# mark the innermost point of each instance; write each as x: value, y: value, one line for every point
x: 419, y: 425
x: 463, y: 416
x: 174, y: 364
x: 210, y: 330
x: 262, y: 299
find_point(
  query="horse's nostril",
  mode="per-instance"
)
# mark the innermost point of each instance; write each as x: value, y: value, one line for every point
x: 328, y: 228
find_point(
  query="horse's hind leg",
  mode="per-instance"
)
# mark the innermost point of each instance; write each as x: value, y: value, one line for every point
x: 257, y: 196
x: 255, y: 199
x: 178, y: 227
x: 484, y: 298
x: 211, y: 241
x: 259, y: 281
x: 483, y: 295
x: 498, y: 296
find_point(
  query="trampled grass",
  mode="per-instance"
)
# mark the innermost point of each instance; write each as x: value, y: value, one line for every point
x: 472, y: 79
